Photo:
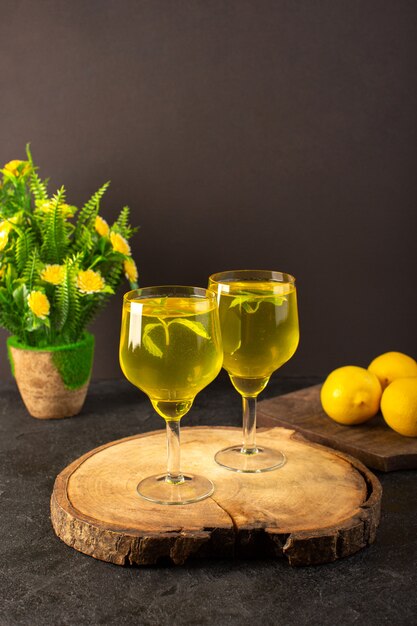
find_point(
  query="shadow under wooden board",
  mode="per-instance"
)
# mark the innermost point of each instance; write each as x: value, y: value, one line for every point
x: 373, y: 443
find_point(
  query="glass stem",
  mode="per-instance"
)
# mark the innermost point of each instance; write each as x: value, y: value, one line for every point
x: 249, y: 425
x: 174, y: 475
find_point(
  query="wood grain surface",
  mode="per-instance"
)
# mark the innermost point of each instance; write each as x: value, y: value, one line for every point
x: 320, y: 506
x: 373, y: 443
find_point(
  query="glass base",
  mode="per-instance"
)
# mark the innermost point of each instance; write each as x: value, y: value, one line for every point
x: 158, y: 489
x: 263, y: 460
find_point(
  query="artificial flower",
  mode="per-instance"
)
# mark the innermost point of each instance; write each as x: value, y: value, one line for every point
x: 101, y: 226
x: 4, y: 238
x: 89, y: 281
x: 131, y: 271
x: 5, y: 227
x: 38, y: 304
x: 53, y: 274
x: 67, y: 210
x: 119, y: 243
x: 44, y: 206
x: 14, y: 167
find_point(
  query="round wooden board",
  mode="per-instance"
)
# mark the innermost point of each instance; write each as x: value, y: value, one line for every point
x: 320, y: 506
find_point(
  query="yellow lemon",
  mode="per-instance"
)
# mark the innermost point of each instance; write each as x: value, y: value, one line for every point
x: 399, y: 406
x: 351, y: 395
x: 392, y: 365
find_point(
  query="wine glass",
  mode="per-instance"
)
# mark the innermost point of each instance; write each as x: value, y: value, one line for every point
x: 259, y: 325
x: 170, y: 347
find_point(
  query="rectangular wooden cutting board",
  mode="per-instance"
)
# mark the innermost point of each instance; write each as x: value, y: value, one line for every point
x: 373, y: 443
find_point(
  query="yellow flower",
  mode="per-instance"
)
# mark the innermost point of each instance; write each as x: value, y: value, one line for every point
x: 101, y: 226
x: 5, y: 227
x: 89, y: 281
x: 13, y: 167
x: 67, y: 210
x: 53, y: 274
x: 44, y: 206
x: 119, y: 243
x: 4, y: 238
x: 38, y: 304
x: 131, y: 271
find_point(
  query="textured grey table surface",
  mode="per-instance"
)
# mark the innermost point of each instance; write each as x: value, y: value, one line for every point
x: 44, y: 582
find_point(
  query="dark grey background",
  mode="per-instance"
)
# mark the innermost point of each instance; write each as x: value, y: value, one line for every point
x: 269, y: 134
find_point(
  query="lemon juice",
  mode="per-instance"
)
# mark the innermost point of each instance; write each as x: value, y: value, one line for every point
x: 259, y: 323
x: 169, y: 348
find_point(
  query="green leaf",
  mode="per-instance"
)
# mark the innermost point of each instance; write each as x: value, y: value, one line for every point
x: 62, y: 300
x: 122, y: 226
x: 34, y: 323
x: 38, y: 188
x: 123, y: 219
x: 9, y: 176
x: 55, y: 243
x: 68, y: 302
x: 98, y: 259
x: 20, y: 295
x: 150, y: 346
x: 104, y: 246
x: 114, y: 275
x: 251, y: 303
x: 107, y: 289
x: 4, y: 295
x: 10, y: 276
x: 24, y: 246
x: 87, y: 216
x: 195, y: 327
x: 84, y: 239
x: 239, y: 300
x: 31, y: 269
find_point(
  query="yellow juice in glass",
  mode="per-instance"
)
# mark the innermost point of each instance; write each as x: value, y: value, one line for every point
x: 169, y: 349
x: 259, y: 323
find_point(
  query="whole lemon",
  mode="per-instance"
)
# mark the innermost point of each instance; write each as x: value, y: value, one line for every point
x: 351, y: 395
x: 392, y: 365
x: 399, y: 406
